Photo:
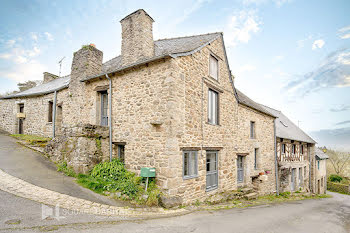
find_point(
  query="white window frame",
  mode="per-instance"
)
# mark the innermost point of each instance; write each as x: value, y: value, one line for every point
x: 190, y: 155
x: 213, y: 107
x: 212, y: 72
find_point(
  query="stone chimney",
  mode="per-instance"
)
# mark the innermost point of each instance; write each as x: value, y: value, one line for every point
x: 86, y: 62
x: 48, y: 77
x: 137, y: 37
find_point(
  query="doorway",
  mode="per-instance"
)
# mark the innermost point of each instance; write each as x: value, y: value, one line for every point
x: 212, y: 170
x: 20, y: 120
x: 292, y: 181
x: 240, y: 169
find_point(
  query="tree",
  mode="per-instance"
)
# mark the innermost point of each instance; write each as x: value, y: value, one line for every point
x: 339, y: 160
x: 26, y: 85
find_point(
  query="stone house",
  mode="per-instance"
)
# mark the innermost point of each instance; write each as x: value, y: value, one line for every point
x: 320, y: 167
x: 169, y: 104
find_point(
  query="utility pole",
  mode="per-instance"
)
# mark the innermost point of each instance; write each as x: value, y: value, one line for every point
x: 60, y: 62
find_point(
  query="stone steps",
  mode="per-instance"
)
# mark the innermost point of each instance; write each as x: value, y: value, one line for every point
x: 251, y: 196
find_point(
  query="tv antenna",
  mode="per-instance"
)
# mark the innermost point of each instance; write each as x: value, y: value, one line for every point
x: 60, y: 62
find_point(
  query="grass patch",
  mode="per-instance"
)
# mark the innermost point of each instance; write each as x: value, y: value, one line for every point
x: 63, y: 167
x: 32, y: 139
x: 112, y: 177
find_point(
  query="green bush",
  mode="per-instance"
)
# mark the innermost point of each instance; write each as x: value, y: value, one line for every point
x: 337, y: 187
x: 113, y: 177
x: 285, y: 194
x: 335, y: 178
x: 63, y: 167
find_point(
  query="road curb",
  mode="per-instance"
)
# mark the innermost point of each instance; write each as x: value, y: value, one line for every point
x: 26, y: 190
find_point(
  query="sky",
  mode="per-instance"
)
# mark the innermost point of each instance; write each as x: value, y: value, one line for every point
x: 292, y: 55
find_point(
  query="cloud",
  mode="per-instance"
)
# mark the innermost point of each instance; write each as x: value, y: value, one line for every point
x: 340, y: 109
x: 345, y: 30
x: 34, y: 52
x: 246, y: 68
x: 31, y: 70
x: 34, y: 36
x: 301, y: 43
x: 343, y: 123
x: 334, y: 71
x: 318, y: 44
x: 19, y: 59
x: 10, y: 43
x: 49, y: 36
x: 278, y: 3
x: 188, y: 11
x: 334, y: 138
x: 241, y: 26
x: 5, y: 56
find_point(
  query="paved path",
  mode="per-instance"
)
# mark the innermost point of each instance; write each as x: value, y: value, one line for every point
x: 34, y: 168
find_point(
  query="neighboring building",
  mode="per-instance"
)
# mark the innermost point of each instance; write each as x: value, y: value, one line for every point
x: 295, y: 149
x: 174, y: 107
x: 320, y: 168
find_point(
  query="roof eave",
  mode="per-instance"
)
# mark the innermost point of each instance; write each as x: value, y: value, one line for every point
x: 124, y: 68
x: 34, y: 94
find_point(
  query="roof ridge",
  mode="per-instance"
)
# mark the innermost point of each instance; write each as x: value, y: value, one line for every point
x: 211, y: 33
x: 111, y: 59
x: 270, y: 107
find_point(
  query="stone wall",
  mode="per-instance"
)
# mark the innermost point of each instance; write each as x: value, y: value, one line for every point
x: 320, y: 176
x: 81, y: 146
x: 36, y: 111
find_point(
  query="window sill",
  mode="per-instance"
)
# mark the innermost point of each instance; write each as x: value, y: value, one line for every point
x: 189, y: 177
x: 211, y: 189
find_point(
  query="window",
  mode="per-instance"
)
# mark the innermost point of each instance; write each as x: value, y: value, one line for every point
x: 305, y: 171
x: 212, y: 170
x: 121, y: 149
x: 21, y: 108
x: 322, y: 182
x: 301, y: 149
x: 293, y: 149
x: 213, y: 107
x: 50, y: 111
x: 318, y: 164
x: 256, y: 158
x: 283, y: 149
x: 213, y: 67
x: 190, y: 164
x: 104, y: 108
x: 252, y: 129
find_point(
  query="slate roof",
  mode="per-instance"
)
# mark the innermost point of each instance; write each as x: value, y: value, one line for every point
x: 285, y: 128
x: 54, y: 85
x: 320, y: 154
x: 173, y: 47
x: 245, y: 100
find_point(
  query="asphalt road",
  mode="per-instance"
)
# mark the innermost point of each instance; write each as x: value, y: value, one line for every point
x: 321, y: 215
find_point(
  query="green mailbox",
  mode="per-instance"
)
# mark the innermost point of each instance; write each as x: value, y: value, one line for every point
x: 148, y: 172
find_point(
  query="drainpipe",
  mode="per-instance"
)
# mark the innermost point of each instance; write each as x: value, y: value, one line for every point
x: 276, y: 162
x: 54, y: 114
x: 110, y: 117
x: 309, y: 153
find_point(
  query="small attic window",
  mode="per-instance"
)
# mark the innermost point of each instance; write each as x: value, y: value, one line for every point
x: 285, y: 125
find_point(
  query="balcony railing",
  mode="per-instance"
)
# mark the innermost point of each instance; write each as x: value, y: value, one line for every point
x: 292, y: 157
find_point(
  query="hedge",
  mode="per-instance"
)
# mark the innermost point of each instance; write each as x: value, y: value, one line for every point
x: 337, y: 187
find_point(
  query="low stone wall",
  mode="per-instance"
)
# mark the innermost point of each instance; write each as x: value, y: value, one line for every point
x: 337, y: 187
x: 81, y: 146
